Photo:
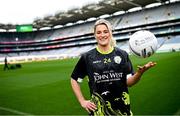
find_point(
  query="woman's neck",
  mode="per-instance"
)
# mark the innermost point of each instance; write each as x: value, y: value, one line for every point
x: 104, y: 49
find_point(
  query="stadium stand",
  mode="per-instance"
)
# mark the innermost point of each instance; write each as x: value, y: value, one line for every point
x: 73, y: 40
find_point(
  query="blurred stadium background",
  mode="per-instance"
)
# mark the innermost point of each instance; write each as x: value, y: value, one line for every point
x: 59, y: 40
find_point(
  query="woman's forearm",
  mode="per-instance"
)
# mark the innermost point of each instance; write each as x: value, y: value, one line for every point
x: 77, y: 90
x: 134, y: 79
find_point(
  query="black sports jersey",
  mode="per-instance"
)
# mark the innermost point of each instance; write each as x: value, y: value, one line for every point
x: 107, y: 80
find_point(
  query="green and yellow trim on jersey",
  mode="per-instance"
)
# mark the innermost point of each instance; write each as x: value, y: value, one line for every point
x: 104, y: 108
x: 104, y: 52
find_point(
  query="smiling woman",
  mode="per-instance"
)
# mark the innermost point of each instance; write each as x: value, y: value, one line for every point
x: 109, y: 72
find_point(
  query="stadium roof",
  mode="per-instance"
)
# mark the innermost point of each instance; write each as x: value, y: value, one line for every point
x: 86, y: 12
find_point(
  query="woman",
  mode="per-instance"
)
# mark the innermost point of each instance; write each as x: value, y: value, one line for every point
x: 109, y: 72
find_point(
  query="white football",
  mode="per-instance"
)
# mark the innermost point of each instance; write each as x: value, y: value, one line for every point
x: 143, y: 43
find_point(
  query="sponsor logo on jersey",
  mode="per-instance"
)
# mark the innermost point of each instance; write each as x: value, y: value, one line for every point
x: 117, y: 59
x: 107, y: 77
x: 97, y: 61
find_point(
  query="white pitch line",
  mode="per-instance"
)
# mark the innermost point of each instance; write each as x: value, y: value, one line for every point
x: 14, y: 111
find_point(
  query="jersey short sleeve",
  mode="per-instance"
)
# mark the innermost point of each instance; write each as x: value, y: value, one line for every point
x: 80, y: 69
x: 130, y: 66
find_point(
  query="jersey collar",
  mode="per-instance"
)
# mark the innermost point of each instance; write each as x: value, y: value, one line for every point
x: 106, y: 52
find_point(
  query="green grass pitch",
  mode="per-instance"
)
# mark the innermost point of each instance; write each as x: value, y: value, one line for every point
x: 44, y: 88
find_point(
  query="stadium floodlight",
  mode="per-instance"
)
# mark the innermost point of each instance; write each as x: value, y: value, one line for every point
x: 104, y: 16
x: 12, y: 30
x: 34, y: 29
x: 135, y: 9
x: 174, y: 1
x: 152, y: 5
x: 91, y: 19
x: 45, y: 28
x: 118, y: 13
x: 2, y: 30
x: 69, y: 24
x: 80, y: 21
x: 57, y: 26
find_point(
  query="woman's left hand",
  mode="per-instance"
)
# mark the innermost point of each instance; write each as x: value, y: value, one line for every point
x: 142, y: 69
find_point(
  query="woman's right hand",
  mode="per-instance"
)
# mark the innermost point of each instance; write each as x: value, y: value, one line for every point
x: 88, y: 105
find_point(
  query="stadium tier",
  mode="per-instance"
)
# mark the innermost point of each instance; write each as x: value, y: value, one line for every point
x: 71, y: 41
x: 30, y: 87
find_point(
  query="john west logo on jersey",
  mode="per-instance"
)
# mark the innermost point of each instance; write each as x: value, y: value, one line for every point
x: 107, y: 76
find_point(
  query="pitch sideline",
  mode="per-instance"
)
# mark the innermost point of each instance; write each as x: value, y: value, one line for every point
x: 14, y: 111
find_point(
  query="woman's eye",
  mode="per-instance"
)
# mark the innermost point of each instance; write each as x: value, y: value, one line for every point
x: 98, y: 32
x: 106, y: 31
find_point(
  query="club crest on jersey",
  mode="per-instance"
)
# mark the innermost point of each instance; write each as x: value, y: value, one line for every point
x: 117, y: 59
